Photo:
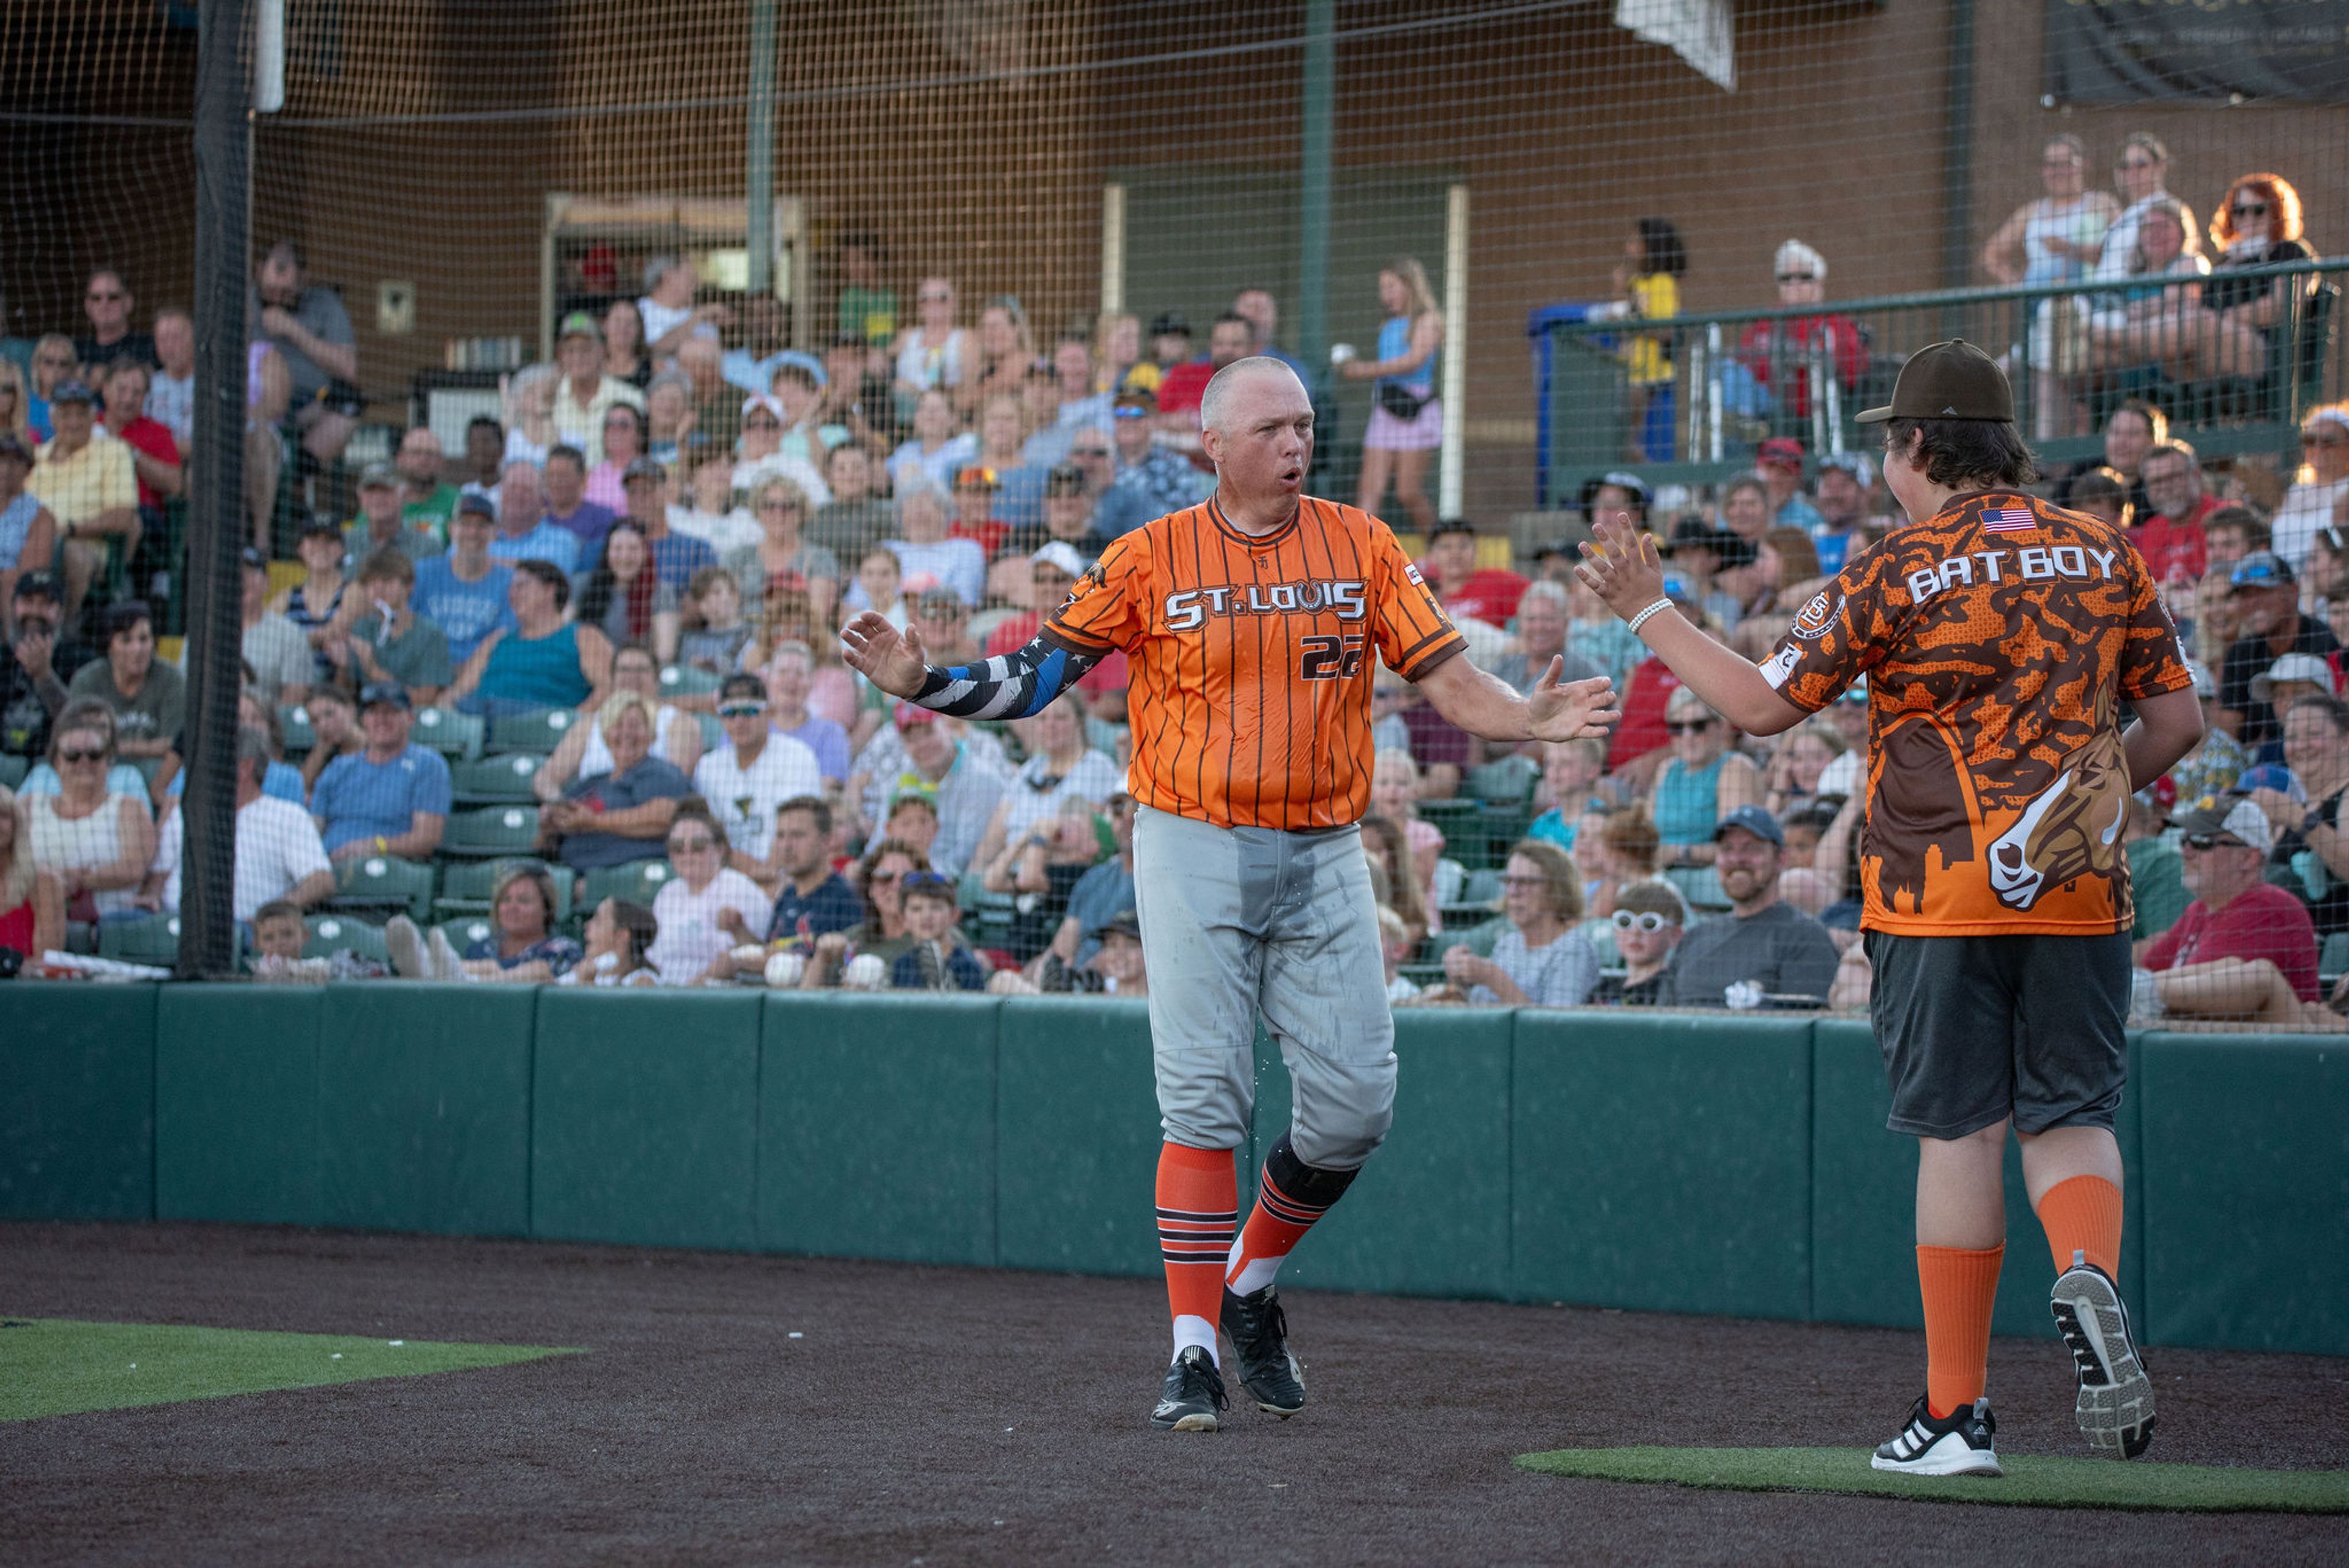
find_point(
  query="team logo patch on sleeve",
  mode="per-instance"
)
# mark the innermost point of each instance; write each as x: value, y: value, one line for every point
x: 2009, y: 520
x: 1410, y: 575
x: 1781, y: 666
x: 1817, y: 616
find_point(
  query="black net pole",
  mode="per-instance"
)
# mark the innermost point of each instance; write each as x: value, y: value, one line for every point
x: 216, y: 497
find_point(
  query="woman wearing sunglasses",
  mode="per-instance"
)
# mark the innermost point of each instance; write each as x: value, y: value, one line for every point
x: 1703, y: 781
x: 1649, y: 919
x: 2258, y: 224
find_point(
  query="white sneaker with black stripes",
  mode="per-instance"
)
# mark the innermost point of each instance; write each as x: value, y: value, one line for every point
x: 1957, y: 1444
x: 2114, y: 1407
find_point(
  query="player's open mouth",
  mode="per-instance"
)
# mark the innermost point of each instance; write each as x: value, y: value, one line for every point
x: 1292, y: 477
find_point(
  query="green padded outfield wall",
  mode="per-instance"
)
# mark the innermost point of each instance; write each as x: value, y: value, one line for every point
x: 1676, y: 1163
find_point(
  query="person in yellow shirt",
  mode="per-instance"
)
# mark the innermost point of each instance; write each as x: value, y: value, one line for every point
x: 88, y: 482
x: 1648, y: 288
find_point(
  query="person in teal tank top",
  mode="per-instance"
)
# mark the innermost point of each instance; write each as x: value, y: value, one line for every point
x: 544, y: 662
x: 1406, y: 424
x: 1702, y: 782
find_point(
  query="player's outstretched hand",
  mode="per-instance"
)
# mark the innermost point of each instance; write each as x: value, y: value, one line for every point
x: 1572, y: 710
x: 1620, y: 565
x: 890, y: 659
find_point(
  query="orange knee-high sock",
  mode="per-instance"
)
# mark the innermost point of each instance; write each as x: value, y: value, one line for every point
x: 1959, y: 1285
x: 1198, y: 1207
x: 2083, y: 1215
x: 1292, y: 1196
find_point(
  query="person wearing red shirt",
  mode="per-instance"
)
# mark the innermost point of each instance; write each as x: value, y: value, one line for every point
x: 1231, y: 338
x: 153, y: 452
x: 974, y: 510
x: 2244, y: 947
x: 1488, y: 594
x: 2171, y: 539
x: 1767, y: 347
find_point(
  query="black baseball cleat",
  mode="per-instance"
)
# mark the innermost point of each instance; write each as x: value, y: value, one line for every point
x: 1259, y: 1336
x: 1193, y: 1395
x: 2114, y: 1407
x: 1959, y: 1444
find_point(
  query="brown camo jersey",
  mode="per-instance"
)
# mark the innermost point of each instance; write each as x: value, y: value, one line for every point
x: 1250, y: 693
x: 1999, y: 639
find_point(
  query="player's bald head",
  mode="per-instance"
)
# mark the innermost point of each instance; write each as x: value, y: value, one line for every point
x: 1236, y: 391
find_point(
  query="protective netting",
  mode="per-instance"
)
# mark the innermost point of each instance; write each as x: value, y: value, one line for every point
x: 885, y: 195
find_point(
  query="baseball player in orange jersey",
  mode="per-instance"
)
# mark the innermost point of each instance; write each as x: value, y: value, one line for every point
x: 2001, y: 638
x: 1254, y: 622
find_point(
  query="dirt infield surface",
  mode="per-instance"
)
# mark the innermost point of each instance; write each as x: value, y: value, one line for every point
x: 935, y: 1416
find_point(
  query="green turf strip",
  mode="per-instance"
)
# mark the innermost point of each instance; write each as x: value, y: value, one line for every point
x: 2038, y: 1481
x: 56, y: 1366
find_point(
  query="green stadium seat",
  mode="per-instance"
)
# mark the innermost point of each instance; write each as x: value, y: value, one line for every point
x: 81, y: 937
x: 1463, y: 828
x: 384, y: 882
x: 331, y: 934
x: 12, y: 770
x: 1697, y: 885
x: 465, y: 931
x: 2335, y: 959
x: 1510, y: 779
x: 713, y: 733
x: 495, y: 781
x: 294, y: 724
x: 1477, y: 940
x: 638, y: 882
x: 1422, y: 975
x: 1481, y: 887
x: 155, y: 942
x: 684, y: 680
x: 492, y: 831
x: 539, y: 732
x: 466, y: 886
x: 449, y: 733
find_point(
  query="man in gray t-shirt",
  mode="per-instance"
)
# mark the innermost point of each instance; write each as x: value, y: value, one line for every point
x: 1763, y: 943
x: 311, y: 331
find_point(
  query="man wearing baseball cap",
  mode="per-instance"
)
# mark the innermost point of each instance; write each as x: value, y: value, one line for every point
x: 382, y: 522
x: 1779, y: 462
x: 2264, y: 594
x: 85, y: 477
x: 585, y: 392
x: 28, y: 532
x: 2244, y: 949
x: 2001, y: 639
x: 1765, y: 944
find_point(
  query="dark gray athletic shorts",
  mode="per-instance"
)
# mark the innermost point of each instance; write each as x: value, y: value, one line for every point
x: 1975, y: 1030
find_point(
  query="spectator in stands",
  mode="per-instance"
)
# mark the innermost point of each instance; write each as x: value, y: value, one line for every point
x: 334, y: 732
x: 750, y: 775
x: 1004, y: 349
x: 936, y: 450
x: 382, y: 522
x: 2141, y: 172
x: 385, y: 640
x: 619, y: 935
x: 586, y: 391
x: 623, y: 596
x: 1060, y: 767
x: 464, y: 592
x: 2133, y: 429
x: 667, y: 310
x: 881, y: 936
x: 2266, y: 599
x: 32, y: 897
x: 934, y: 353
x: 2170, y: 538
x: 624, y: 442
x: 1798, y: 759
x: 927, y: 555
x: 1597, y: 634
x: 1118, y: 960
x: 107, y: 302
x: 524, y: 947
x: 1067, y: 517
x: 761, y: 454
x: 87, y: 481
x: 312, y: 603
x: 1095, y: 455
x: 1040, y: 869
x: 783, y: 557
x: 612, y: 818
x: 925, y: 757
x: 530, y: 414
x: 1016, y: 498
x: 32, y: 681
x: 389, y: 798
x: 543, y: 661
x: 2244, y: 949
x: 1394, y: 875
x: 669, y: 419
x: 2104, y: 493
x: 97, y: 841
x: 1777, y: 353
x: 1779, y: 464
x: 16, y: 404
x: 855, y: 519
x: 812, y: 899
x: 692, y: 906
x: 2052, y: 239
x: 2150, y: 322
x: 1406, y: 424
x: 1746, y: 508
x: 715, y: 421
x: 1117, y: 355
x: 148, y: 698
x: 2320, y: 484
x: 1650, y: 920
x: 1151, y: 480
x: 936, y: 959
x: 1488, y: 594
x: 1230, y: 338
x: 431, y: 500
x: 582, y: 754
x: 279, y: 859
x: 1098, y: 895
x: 2212, y: 767
x: 1541, y: 960
x: 1842, y: 506
x: 713, y: 634
x: 1703, y: 783
x: 28, y: 531
x: 306, y: 324
x: 154, y: 456
x: 2258, y: 224
x: 712, y: 516
x: 1051, y: 571
x: 1570, y: 789
x: 1397, y: 785
x: 2229, y: 535
x: 1262, y: 310
x: 524, y: 533
x: 1540, y: 639
x: 565, y: 482
x: 790, y: 675
x: 1765, y: 949
x: 485, y: 457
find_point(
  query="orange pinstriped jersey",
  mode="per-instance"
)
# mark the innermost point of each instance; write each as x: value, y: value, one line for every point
x: 1250, y: 697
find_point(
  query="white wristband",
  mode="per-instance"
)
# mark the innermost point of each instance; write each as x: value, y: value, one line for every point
x: 1659, y: 608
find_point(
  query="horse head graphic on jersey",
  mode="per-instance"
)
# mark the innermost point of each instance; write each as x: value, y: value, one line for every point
x: 2070, y: 829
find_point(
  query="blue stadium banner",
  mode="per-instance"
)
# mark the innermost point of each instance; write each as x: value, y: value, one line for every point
x: 2226, y: 51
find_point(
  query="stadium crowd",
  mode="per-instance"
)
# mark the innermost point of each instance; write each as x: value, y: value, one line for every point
x: 567, y: 706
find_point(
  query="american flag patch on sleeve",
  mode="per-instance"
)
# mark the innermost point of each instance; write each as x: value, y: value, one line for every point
x: 2009, y: 520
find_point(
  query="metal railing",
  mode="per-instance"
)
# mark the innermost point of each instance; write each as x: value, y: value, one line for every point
x: 2072, y: 353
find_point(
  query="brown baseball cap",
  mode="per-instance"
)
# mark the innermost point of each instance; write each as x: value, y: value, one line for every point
x: 1952, y: 380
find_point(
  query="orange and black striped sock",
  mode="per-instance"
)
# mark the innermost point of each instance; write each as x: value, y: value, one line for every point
x: 1291, y: 1197
x: 2083, y: 1215
x: 1198, y: 1204
x: 1959, y: 1284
